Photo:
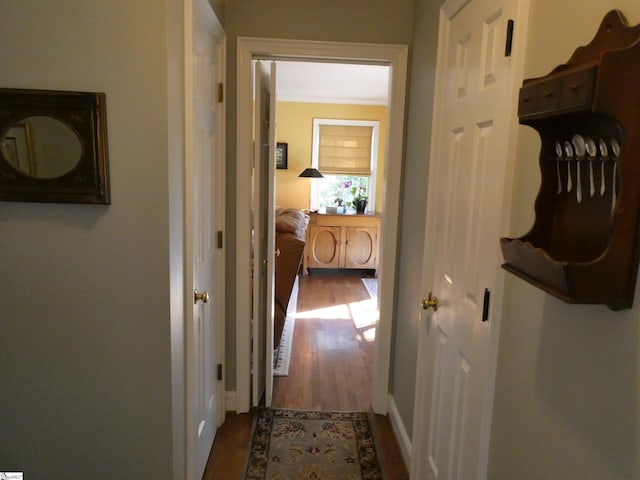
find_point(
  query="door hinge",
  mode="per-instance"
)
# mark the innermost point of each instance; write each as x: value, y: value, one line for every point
x: 219, y: 372
x: 509, y: 42
x: 485, y: 305
x: 220, y: 94
x: 219, y: 239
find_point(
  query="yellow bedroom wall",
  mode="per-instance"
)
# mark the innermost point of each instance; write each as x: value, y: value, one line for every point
x: 295, y: 127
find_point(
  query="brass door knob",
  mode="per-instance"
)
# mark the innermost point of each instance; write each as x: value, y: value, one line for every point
x: 430, y: 302
x: 200, y: 297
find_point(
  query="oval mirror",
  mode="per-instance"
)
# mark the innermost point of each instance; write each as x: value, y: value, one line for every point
x: 41, y: 147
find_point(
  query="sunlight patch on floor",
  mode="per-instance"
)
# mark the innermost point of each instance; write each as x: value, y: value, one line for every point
x: 365, y: 316
x: 335, y: 312
x: 364, y: 313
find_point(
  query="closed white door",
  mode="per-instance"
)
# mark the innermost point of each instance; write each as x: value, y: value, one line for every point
x: 203, y: 257
x: 474, y: 125
x: 264, y: 231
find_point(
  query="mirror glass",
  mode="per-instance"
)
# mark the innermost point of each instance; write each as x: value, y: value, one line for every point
x: 41, y: 147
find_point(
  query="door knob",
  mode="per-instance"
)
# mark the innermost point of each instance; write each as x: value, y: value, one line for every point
x: 430, y: 302
x: 278, y: 252
x: 202, y: 297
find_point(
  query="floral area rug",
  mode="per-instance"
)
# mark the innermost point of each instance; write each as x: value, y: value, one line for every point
x: 303, y: 445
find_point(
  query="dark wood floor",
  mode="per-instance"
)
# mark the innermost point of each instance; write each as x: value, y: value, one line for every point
x: 330, y: 370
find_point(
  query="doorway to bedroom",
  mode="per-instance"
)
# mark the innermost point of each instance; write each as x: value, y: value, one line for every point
x: 333, y: 118
x: 264, y: 49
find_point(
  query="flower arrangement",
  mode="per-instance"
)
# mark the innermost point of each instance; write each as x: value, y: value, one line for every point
x: 344, y: 193
x: 358, y: 194
x: 339, y: 201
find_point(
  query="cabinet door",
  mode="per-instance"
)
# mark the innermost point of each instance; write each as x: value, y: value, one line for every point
x: 361, y: 247
x: 324, y: 247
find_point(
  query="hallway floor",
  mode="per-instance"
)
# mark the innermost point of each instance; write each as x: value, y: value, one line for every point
x: 330, y: 370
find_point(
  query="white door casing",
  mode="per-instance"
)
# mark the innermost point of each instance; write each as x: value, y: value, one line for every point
x: 470, y: 170
x: 204, y: 134
x: 396, y: 57
x: 264, y: 228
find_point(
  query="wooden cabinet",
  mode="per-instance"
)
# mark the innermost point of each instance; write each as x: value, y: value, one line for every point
x: 342, y: 241
x: 584, y: 244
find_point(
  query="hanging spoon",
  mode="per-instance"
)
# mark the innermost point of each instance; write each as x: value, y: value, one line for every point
x: 568, y: 151
x: 559, y: 157
x: 604, y: 153
x: 592, y: 151
x: 580, y: 149
x: 615, y: 147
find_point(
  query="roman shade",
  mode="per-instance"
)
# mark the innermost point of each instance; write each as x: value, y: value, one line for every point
x: 345, y: 150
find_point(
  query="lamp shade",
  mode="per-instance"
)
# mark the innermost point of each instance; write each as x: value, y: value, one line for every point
x: 311, y: 173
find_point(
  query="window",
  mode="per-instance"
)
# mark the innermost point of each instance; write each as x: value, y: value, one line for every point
x: 346, y: 152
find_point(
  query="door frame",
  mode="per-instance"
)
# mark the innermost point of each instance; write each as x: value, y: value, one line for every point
x: 395, y: 56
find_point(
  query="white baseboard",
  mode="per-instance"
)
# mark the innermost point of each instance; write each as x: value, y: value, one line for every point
x: 401, y: 433
x: 230, y: 402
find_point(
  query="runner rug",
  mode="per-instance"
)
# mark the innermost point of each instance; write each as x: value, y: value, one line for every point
x: 282, y: 356
x: 371, y: 284
x: 304, y: 445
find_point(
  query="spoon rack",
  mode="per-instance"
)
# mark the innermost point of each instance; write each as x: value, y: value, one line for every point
x: 583, y: 245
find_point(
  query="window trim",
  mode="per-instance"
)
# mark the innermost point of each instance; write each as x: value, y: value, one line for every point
x: 375, y: 136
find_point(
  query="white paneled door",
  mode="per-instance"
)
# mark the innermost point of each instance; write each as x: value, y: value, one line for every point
x: 203, y: 257
x: 264, y: 231
x: 471, y: 157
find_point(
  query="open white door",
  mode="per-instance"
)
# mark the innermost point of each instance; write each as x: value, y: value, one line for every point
x: 471, y: 157
x: 203, y: 134
x: 264, y: 231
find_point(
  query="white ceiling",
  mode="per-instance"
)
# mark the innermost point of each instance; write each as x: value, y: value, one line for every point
x: 332, y: 83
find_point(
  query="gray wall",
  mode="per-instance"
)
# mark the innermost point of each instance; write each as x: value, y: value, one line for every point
x: 414, y: 200
x: 567, y: 401
x: 378, y: 21
x: 85, y: 352
x: 219, y: 7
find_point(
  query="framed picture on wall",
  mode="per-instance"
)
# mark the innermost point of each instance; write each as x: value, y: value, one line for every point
x: 281, y: 155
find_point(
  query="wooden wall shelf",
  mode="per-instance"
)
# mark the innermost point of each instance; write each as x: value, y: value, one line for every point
x: 583, y: 246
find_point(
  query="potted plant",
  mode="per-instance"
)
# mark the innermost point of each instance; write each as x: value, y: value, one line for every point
x: 359, y: 200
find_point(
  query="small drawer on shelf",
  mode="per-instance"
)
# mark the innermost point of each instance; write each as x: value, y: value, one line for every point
x: 527, y: 100
x: 548, y: 95
x: 577, y: 88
